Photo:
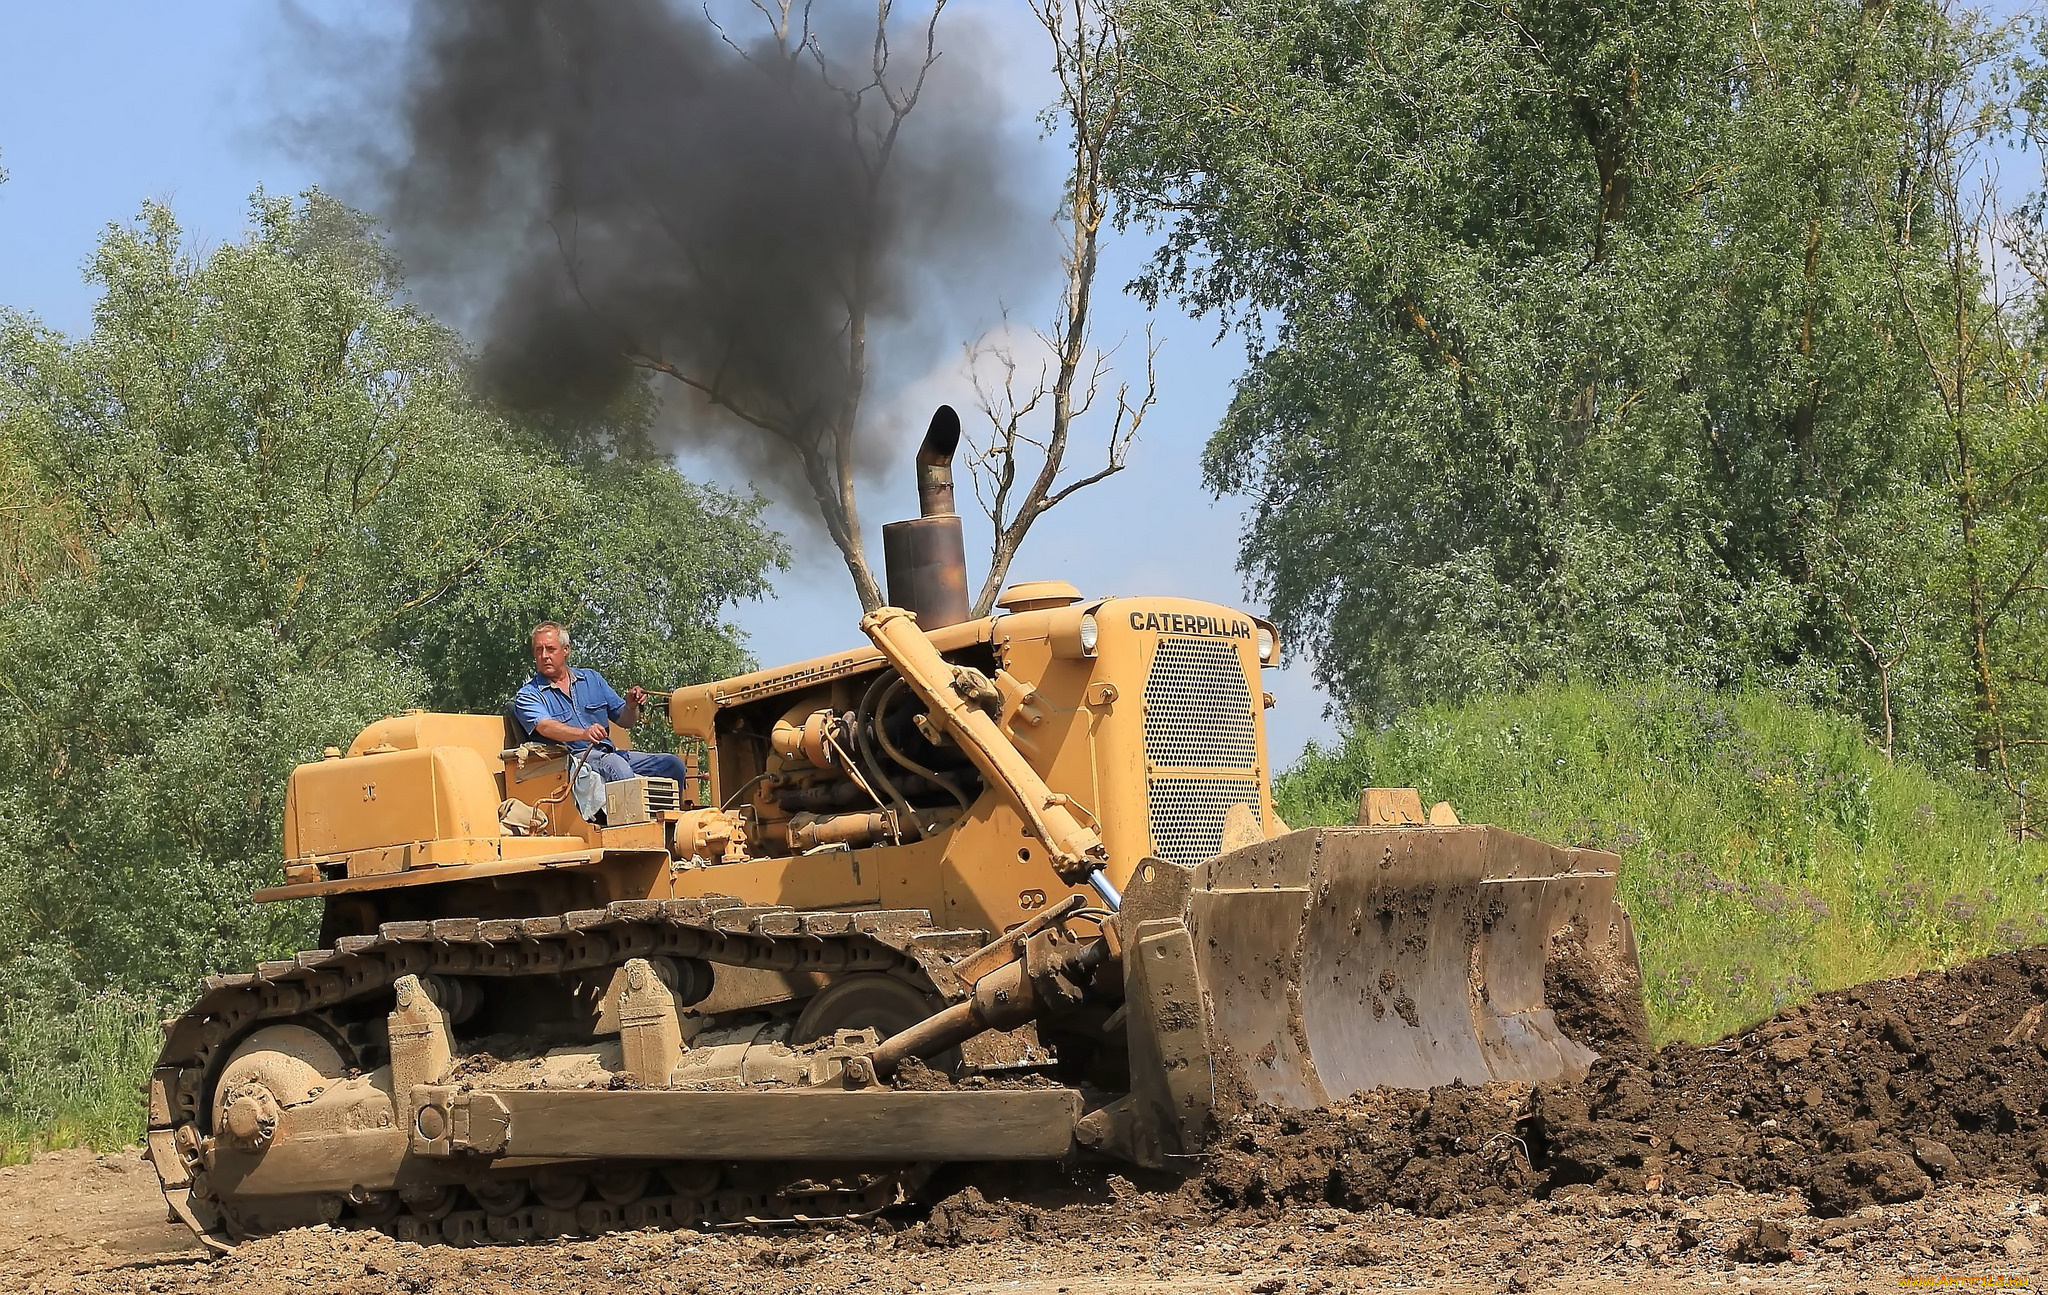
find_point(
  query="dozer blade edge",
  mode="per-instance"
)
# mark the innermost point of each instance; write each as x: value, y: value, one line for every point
x: 1302, y: 969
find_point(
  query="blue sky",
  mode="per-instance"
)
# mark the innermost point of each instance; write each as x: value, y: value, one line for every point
x: 106, y: 104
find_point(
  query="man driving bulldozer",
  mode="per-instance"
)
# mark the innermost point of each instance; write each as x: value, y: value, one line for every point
x: 576, y: 708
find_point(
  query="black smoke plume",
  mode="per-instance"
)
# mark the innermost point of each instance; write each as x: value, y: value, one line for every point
x: 600, y: 186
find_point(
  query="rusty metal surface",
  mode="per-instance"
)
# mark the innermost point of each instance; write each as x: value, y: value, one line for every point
x: 1173, y: 1070
x: 1335, y: 960
x: 935, y: 463
x: 925, y: 559
x: 925, y: 563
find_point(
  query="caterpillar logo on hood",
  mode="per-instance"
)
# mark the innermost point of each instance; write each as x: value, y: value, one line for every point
x: 1175, y: 623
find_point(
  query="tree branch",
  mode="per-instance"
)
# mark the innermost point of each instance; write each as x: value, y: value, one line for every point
x: 1088, y: 57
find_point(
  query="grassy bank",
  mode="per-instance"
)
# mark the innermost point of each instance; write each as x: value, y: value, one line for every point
x: 1768, y: 851
x: 74, y: 1077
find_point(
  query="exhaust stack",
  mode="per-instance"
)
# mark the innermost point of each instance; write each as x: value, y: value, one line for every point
x: 925, y: 559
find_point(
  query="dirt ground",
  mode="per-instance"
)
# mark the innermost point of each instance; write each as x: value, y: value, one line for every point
x: 1883, y: 1137
x: 75, y: 1222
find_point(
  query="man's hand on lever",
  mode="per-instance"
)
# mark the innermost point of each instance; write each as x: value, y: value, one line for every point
x: 636, y: 697
x: 554, y: 730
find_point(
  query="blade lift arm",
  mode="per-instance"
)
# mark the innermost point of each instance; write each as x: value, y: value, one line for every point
x: 956, y: 698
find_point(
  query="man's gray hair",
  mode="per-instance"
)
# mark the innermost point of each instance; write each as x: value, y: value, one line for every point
x: 561, y: 632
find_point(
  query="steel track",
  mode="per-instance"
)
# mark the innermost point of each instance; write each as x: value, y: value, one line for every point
x: 317, y: 986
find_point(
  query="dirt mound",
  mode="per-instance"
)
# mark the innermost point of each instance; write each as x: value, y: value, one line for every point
x: 1862, y: 1096
x: 1865, y: 1096
x: 1436, y: 1153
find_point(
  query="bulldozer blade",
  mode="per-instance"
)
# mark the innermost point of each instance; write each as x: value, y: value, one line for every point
x: 1335, y: 960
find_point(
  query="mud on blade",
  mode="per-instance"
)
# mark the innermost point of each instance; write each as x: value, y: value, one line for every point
x: 1323, y: 962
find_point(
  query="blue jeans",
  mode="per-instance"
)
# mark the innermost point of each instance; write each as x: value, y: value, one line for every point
x: 614, y: 766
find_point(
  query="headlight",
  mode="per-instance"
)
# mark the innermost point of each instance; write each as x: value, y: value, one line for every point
x: 1071, y: 631
x: 1267, y: 644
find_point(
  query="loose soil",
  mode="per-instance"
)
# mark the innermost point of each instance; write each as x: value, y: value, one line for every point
x: 1890, y: 1131
x: 1866, y: 1096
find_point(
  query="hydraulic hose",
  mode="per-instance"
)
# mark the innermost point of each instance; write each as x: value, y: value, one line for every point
x: 882, y: 735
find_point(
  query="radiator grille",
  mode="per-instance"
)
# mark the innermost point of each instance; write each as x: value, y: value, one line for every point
x: 1198, y: 711
x: 1200, y: 744
x: 1187, y: 815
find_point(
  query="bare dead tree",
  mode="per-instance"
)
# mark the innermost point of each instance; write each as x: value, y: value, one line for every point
x: 824, y: 439
x: 1072, y: 373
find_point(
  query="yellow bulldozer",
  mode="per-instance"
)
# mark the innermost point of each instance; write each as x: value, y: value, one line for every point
x: 987, y: 889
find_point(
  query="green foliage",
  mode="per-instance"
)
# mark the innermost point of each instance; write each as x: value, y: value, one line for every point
x: 1595, y: 341
x: 641, y: 568
x: 1768, y: 852
x: 71, y: 1075
x: 295, y: 517
x: 39, y: 530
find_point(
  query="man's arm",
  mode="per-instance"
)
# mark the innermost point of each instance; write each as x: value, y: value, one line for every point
x: 555, y: 730
x: 625, y: 711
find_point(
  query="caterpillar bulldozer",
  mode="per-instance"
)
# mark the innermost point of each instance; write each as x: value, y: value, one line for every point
x: 1002, y: 889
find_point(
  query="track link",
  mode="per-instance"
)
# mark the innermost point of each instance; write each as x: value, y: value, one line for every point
x: 314, y: 985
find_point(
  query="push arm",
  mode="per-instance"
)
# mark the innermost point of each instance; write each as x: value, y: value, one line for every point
x: 1075, y: 849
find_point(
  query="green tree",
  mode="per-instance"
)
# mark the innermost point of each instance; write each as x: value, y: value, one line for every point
x: 1578, y: 346
x: 1975, y: 322
x: 296, y: 518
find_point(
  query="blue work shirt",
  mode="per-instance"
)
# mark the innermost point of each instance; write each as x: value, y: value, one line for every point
x: 592, y: 702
